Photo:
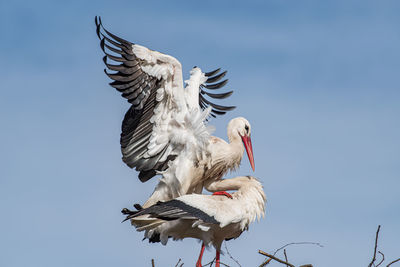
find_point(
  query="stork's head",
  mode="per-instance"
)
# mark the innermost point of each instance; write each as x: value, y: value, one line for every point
x: 240, y: 127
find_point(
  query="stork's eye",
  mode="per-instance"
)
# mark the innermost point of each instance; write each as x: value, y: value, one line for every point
x: 246, y: 128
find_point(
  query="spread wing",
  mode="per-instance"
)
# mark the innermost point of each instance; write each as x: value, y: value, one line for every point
x: 159, y: 124
x: 145, y: 78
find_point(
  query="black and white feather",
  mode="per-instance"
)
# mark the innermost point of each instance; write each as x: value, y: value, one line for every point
x: 210, y: 83
x: 209, y: 218
x: 172, y: 210
x: 165, y: 125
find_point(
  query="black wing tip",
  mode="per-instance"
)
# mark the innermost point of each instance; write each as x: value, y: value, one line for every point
x: 97, y: 21
x: 216, y: 78
x: 216, y: 85
x: 99, y: 26
x: 212, y: 73
x: 223, y: 108
x: 126, y: 211
x: 102, y: 44
x: 215, y: 106
x: 217, y: 96
x: 130, y: 213
x: 212, y: 83
x: 144, y: 176
x: 138, y: 206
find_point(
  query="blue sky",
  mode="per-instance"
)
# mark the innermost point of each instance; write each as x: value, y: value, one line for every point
x: 318, y: 81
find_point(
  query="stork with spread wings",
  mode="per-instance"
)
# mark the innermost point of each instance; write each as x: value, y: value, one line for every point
x: 164, y: 131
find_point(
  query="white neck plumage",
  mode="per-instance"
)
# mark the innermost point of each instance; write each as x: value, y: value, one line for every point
x: 250, y: 195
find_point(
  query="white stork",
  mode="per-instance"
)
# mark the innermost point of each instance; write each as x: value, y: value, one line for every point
x: 164, y: 130
x: 211, y: 219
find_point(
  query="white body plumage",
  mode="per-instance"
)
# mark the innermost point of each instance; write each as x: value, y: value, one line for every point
x: 211, y: 219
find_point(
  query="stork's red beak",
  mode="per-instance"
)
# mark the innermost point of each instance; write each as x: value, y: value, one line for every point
x: 249, y: 149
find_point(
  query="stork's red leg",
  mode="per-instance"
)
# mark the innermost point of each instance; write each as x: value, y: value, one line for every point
x: 198, y: 264
x: 217, y: 259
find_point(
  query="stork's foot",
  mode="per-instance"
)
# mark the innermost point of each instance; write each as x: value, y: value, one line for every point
x: 222, y: 193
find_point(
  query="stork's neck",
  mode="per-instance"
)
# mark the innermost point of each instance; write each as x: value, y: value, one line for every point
x: 247, y: 186
x: 236, y: 146
x: 252, y: 198
x: 250, y: 195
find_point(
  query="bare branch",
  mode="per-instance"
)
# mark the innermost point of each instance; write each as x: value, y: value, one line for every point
x: 393, y: 262
x: 227, y: 251
x: 152, y: 262
x: 289, y: 244
x: 265, y: 262
x: 275, y: 258
x: 376, y: 245
x: 177, y: 264
x: 298, y: 243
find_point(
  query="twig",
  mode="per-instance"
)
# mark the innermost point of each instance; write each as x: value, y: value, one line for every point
x: 376, y: 245
x: 227, y: 251
x: 210, y: 263
x: 152, y: 262
x: 298, y: 243
x: 265, y: 262
x: 178, y: 263
x: 383, y: 258
x: 284, y: 253
x: 275, y: 258
x: 393, y: 262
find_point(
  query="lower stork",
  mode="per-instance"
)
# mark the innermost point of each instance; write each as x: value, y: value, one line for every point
x: 210, y: 218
